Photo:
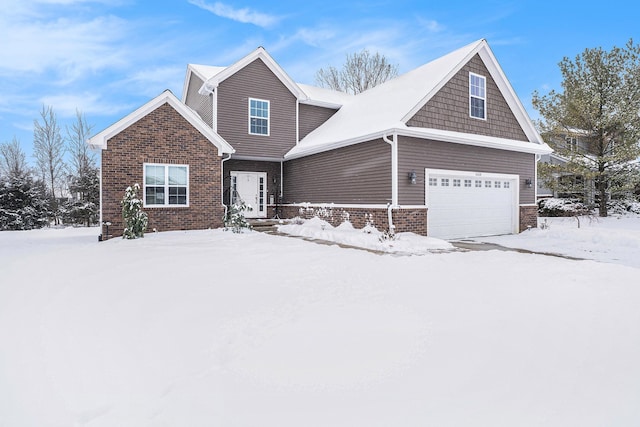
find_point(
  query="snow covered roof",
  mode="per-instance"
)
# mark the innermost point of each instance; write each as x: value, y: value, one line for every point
x: 384, y: 109
x: 205, y: 72
x: 322, y: 97
x: 167, y: 97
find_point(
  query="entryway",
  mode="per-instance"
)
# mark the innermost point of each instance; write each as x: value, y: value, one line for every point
x: 250, y: 187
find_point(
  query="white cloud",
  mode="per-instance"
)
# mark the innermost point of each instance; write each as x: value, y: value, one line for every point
x: 431, y: 25
x: 244, y: 15
x: 90, y: 103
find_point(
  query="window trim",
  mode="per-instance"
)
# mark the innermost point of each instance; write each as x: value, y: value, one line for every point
x: 165, y: 185
x: 261, y: 118
x: 483, y: 98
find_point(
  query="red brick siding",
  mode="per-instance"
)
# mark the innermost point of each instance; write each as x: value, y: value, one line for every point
x: 528, y: 217
x: 405, y: 220
x: 163, y: 136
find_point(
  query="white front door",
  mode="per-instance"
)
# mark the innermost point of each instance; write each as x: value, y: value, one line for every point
x: 250, y: 187
x: 470, y: 204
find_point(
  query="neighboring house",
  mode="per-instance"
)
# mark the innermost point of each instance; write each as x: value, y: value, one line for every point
x: 445, y: 150
x: 567, y: 185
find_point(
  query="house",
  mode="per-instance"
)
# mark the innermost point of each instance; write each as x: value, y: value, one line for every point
x: 571, y: 142
x: 445, y: 150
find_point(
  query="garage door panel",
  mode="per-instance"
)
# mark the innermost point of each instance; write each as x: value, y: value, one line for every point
x: 480, y: 205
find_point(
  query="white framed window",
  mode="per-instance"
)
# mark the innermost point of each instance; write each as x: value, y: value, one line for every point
x: 478, y: 183
x: 259, y: 112
x: 444, y: 182
x: 467, y: 183
x: 477, y: 96
x: 497, y: 184
x: 433, y: 182
x: 456, y: 183
x: 506, y: 184
x: 166, y: 185
x: 487, y: 184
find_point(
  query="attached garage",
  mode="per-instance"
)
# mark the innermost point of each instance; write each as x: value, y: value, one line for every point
x: 470, y: 204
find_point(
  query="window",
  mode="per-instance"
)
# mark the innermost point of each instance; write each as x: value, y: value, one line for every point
x: 467, y: 183
x: 487, y: 184
x: 572, y: 143
x: 477, y: 96
x: 258, y: 117
x: 166, y: 185
x: 433, y: 182
x: 497, y: 184
x: 478, y: 183
x: 444, y: 182
x: 456, y: 183
x: 506, y: 184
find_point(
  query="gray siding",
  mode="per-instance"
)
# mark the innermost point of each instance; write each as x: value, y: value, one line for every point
x: 417, y: 154
x: 256, y: 81
x: 201, y: 104
x: 449, y: 108
x: 311, y: 117
x: 357, y: 174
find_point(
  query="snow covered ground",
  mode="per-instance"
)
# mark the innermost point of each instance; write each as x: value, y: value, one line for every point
x: 214, y: 328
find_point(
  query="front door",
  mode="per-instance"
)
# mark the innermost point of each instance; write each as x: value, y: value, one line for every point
x: 250, y: 187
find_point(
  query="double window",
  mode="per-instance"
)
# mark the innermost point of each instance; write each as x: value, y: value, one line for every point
x: 258, y: 117
x: 477, y: 96
x: 166, y: 185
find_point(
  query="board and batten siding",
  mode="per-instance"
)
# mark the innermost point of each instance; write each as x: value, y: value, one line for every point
x: 449, y: 107
x: 416, y: 154
x: 201, y: 104
x: 357, y: 174
x: 256, y: 81
x: 311, y: 117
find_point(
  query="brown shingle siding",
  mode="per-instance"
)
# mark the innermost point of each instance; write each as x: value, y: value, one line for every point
x: 449, y: 108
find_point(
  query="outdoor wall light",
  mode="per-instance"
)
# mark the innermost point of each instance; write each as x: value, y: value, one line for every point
x: 413, y: 177
x: 528, y: 182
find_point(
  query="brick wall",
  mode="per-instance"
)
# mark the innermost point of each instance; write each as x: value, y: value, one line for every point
x: 528, y: 217
x: 405, y: 220
x: 163, y: 136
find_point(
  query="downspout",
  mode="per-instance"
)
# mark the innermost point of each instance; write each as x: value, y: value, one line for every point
x: 226, y: 208
x: 394, y: 179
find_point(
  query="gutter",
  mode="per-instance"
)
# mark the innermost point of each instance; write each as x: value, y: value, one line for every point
x: 394, y: 178
x: 226, y: 208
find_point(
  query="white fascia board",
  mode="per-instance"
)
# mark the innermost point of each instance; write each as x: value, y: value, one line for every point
x: 324, y: 104
x: 477, y: 140
x: 424, y: 133
x: 100, y: 139
x: 301, y: 151
x: 185, y: 86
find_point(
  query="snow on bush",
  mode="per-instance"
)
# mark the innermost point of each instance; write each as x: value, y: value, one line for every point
x: 561, y: 207
x: 234, y: 218
x: 134, y: 218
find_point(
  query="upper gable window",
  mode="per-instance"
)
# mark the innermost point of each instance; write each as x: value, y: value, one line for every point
x: 258, y: 117
x: 477, y: 96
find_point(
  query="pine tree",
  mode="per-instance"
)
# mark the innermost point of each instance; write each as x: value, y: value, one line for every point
x: 134, y: 218
x: 83, y: 181
x: 599, y: 101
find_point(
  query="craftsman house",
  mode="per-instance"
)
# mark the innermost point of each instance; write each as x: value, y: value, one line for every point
x: 445, y: 150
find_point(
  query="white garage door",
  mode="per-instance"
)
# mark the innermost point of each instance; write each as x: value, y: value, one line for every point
x: 469, y: 204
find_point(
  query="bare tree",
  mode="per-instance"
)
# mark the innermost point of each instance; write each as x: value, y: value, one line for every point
x: 81, y: 157
x: 361, y: 71
x: 13, y: 162
x: 49, y: 150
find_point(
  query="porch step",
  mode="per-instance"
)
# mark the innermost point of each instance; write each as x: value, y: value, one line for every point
x: 264, y: 225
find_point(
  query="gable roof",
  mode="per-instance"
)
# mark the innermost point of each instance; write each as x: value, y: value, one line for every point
x: 385, y: 109
x: 100, y: 139
x: 214, y: 80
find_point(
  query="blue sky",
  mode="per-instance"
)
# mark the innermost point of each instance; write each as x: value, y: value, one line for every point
x: 108, y: 57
